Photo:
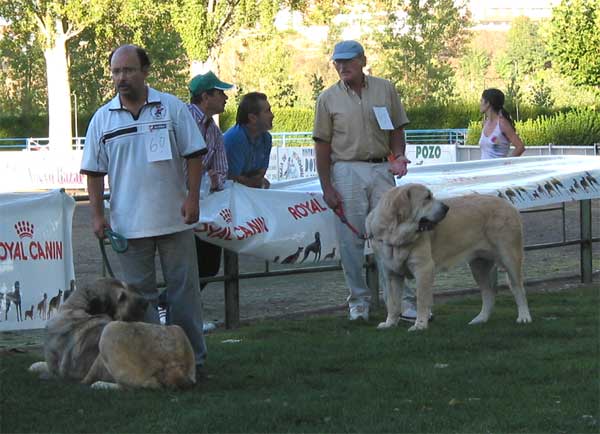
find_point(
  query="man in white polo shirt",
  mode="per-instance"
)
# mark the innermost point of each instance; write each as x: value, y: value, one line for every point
x: 150, y: 147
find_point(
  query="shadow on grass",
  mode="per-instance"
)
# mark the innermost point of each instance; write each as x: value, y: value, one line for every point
x: 324, y: 374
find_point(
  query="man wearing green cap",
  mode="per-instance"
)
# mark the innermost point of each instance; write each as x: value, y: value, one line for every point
x: 207, y: 98
x: 359, y: 147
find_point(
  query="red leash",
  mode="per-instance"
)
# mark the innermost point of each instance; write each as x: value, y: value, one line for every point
x: 339, y: 211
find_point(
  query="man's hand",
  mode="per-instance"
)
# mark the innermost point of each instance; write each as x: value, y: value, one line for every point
x: 99, y: 224
x: 190, y: 210
x: 214, y: 179
x: 332, y: 197
x: 398, y: 166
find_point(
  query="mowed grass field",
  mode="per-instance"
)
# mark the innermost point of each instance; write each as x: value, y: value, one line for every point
x: 324, y: 374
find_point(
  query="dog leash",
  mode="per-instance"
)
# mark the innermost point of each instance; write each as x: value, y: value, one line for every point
x: 339, y: 211
x: 118, y: 243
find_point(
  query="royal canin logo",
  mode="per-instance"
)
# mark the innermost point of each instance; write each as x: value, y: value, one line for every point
x: 248, y: 229
x: 307, y: 208
x: 226, y: 214
x: 34, y: 250
x: 24, y: 229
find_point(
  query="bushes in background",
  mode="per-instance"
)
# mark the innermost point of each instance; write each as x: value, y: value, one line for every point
x: 421, y: 118
x: 286, y: 119
x: 23, y: 126
x: 577, y: 127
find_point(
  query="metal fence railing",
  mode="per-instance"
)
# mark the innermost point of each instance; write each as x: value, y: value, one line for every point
x: 455, y: 136
x: 35, y: 143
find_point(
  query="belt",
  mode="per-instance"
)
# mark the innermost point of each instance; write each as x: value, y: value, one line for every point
x: 375, y: 160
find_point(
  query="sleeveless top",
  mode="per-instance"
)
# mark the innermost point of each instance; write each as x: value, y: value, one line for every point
x: 496, y: 145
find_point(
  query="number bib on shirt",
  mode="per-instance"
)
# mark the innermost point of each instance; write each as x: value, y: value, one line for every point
x: 158, y: 144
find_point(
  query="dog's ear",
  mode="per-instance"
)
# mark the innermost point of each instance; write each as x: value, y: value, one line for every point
x: 98, y: 306
x: 401, y: 205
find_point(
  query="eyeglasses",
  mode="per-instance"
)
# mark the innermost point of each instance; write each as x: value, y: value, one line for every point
x: 340, y: 62
x: 126, y: 71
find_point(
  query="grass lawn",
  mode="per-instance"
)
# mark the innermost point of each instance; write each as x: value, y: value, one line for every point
x: 325, y: 374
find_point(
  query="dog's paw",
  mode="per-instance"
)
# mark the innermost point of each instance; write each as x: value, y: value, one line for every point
x: 418, y: 326
x: 384, y: 325
x: 479, y: 319
x: 524, y: 318
x: 104, y: 385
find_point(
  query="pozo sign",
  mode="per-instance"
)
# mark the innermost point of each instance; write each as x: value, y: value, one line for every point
x: 420, y: 155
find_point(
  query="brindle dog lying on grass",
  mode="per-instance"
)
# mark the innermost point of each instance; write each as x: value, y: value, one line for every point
x: 95, y: 339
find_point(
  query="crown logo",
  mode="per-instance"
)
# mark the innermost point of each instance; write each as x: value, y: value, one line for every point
x: 226, y: 214
x: 24, y: 229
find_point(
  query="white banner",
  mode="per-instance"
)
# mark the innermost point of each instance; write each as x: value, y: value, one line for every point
x: 279, y: 226
x: 288, y: 163
x: 36, y: 256
x: 283, y: 223
x: 526, y: 182
x: 40, y: 170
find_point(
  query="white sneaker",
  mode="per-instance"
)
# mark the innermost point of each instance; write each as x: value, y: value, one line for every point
x: 410, y: 315
x: 207, y: 327
x: 359, y: 312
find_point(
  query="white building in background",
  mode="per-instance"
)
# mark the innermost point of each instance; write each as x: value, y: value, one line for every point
x: 486, y: 15
x: 498, y: 14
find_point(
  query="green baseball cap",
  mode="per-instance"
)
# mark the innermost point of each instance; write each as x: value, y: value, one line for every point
x: 208, y: 81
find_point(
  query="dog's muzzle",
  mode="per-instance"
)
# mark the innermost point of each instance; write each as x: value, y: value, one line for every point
x: 426, y: 224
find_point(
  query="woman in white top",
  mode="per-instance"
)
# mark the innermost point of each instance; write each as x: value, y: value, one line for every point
x: 498, y: 128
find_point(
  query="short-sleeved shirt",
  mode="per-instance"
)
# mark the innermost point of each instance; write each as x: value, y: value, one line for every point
x: 215, y: 158
x: 245, y: 156
x: 348, y: 121
x: 145, y: 197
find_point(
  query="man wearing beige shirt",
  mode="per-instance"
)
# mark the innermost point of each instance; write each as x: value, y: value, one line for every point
x: 352, y: 148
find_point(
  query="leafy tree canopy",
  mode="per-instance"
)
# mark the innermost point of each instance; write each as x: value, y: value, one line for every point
x: 417, y: 43
x: 574, y: 40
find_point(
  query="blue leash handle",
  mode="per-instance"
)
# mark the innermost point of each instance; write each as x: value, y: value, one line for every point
x: 118, y: 243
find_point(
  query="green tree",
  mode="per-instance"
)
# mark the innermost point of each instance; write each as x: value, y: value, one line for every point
x: 524, y: 46
x: 146, y: 23
x: 472, y: 69
x: 270, y: 73
x: 317, y: 85
x: 541, y: 94
x: 419, y: 39
x: 22, y: 87
x: 52, y: 23
x: 203, y: 25
x: 574, y: 40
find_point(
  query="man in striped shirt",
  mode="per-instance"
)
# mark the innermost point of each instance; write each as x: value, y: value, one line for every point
x: 207, y: 98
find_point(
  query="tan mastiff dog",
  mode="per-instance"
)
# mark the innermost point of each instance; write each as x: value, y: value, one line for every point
x: 414, y: 234
x: 95, y: 339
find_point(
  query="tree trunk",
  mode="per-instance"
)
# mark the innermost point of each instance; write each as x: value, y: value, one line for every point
x: 59, y: 93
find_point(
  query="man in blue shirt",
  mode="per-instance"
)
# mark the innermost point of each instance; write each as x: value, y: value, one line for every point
x: 248, y: 143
